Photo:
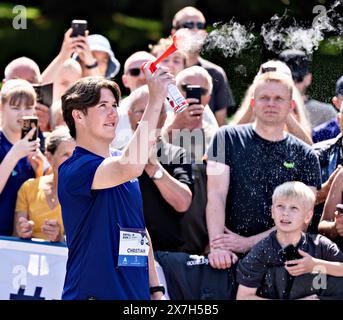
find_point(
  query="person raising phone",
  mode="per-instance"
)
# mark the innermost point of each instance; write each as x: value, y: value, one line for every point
x: 20, y: 159
x: 75, y: 45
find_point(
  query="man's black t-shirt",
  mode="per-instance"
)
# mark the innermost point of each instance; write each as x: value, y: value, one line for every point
x: 263, y: 267
x: 162, y: 221
x: 257, y: 167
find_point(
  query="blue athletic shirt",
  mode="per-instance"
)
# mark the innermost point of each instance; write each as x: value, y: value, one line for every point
x: 92, y: 219
x: 8, y: 197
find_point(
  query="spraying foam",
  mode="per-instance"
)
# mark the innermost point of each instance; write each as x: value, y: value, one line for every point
x: 231, y: 38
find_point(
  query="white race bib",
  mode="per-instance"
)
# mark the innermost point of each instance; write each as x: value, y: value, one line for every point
x: 133, y: 248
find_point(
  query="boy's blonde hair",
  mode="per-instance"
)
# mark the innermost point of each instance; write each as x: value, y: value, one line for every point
x: 295, y: 190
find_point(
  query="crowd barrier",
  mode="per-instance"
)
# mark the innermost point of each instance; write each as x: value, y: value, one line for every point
x: 31, y: 269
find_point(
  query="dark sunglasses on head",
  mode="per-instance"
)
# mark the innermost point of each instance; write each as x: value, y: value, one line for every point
x: 191, y: 25
x: 268, y: 69
x: 135, y: 72
x: 203, y: 91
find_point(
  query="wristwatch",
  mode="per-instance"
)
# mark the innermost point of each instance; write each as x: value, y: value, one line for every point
x: 158, y: 174
x: 93, y: 65
x: 159, y: 288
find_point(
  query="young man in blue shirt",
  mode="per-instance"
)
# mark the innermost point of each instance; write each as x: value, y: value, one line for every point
x: 109, y: 255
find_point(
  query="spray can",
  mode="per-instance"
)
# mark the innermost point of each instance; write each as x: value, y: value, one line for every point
x: 176, y: 99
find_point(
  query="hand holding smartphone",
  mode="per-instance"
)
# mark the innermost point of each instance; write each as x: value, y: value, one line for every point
x: 79, y: 28
x: 193, y: 91
x: 289, y: 253
x: 29, y: 122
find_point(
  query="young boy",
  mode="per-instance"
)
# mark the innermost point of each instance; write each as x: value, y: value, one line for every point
x: 272, y: 270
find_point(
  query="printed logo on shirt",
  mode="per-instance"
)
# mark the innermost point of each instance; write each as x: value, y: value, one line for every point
x: 14, y: 173
x: 133, y: 180
x: 288, y: 165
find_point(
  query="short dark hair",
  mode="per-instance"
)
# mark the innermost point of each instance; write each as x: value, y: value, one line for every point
x: 84, y: 94
x: 297, y: 61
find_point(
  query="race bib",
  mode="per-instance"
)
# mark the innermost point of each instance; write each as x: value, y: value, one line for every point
x: 133, y: 248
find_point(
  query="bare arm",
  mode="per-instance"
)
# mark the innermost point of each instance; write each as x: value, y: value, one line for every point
x: 176, y: 193
x: 253, y: 240
x: 86, y: 56
x: 236, y: 243
x: 309, y: 264
x: 68, y: 47
x: 329, y: 225
x: 153, y: 276
x: 117, y: 170
x: 324, y: 191
x: 295, y: 128
x: 246, y: 293
x: 218, y: 179
x: 23, y: 227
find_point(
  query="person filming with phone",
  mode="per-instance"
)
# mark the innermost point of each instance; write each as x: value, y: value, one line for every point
x: 195, y: 84
x: 20, y: 158
x: 76, y: 46
x: 27, y: 69
x: 193, y: 130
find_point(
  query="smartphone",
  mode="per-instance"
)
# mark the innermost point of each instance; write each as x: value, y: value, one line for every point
x: 193, y: 91
x: 79, y: 28
x: 289, y: 253
x: 29, y: 122
x: 44, y: 94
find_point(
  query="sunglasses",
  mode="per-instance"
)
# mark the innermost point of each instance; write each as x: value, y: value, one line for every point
x: 268, y: 69
x: 134, y: 72
x: 192, y: 25
x: 203, y: 91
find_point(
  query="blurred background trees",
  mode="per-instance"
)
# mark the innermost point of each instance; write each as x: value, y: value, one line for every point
x: 132, y: 25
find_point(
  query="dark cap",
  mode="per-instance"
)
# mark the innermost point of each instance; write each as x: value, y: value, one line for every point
x: 297, y: 61
x: 339, y: 86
